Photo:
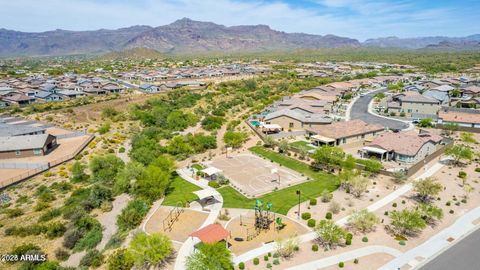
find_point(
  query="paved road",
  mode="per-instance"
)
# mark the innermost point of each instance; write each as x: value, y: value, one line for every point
x: 360, y: 111
x: 462, y: 256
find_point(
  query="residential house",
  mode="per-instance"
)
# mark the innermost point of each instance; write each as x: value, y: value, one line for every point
x: 148, y: 88
x: 405, y: 147
x: 413, y: 103
x: 293, y: 120
x: 26, y: 146
x: 344, y: 133
x: 468, y: 118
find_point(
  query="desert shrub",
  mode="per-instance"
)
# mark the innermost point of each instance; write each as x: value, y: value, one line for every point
x: 256, y: 261
x: 334, y: 207
x: 328, y: 215
x: 61, y: 254
x: 71, y: 237
x: 120, y: 260
x: 313, y: 201
x: 462, y: 174
x: 365, y: 239
x: 132, y: 215
x: 276, y: 262
x: 341, y: 264
x: 40, y: 206
x: 315, y: 247
x: 326, y: 196
x: 355, y: 261
x: 306, y: 215
x: 14, y: 212
x: 93, y: 258
x: 311, y: 223
x: 121, y: 150
x: 265, y: 258
x: 241, y: 266
x: 477, y: 169
x: 23, y: 249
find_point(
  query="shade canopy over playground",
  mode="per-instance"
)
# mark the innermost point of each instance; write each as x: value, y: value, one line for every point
x: 211, y: 234
x: 211, y: 171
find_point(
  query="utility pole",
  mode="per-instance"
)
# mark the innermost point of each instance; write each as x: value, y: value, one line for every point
x: 298, y: 193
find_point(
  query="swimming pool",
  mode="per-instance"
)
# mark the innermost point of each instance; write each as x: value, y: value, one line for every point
x: 255, y: 123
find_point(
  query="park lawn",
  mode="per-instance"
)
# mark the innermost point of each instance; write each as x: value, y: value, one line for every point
x: 302, y: 145
x: 180, y: 190
x: 283, y: 200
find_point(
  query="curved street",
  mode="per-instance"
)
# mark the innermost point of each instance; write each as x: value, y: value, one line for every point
x: 360, y: 111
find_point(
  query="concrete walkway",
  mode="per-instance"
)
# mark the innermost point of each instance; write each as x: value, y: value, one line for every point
x: 188, y: 246
x: 347, y: 256
x: 109, y: 219
x: 312, y: 235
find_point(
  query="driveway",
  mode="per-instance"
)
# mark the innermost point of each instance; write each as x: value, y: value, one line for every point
x: 359, y: 110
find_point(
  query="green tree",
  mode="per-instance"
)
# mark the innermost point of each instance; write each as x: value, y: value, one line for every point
x: 328, y: 157
x: 105, y: 168
x: 358, y: 185
x: 152, y: 184
x: 427, y: 188
x: 99, y: 194
x: 329, y: 234
x: 149, y: 250
x: 269, y: 141
x: 212, y: 122
x: 459, y: 152
x: 407, y: 222
x: 178, y: 146
x: 400, y: 176
x: 234, y: 139
x: 127, y: 176
x: 363, y: 221
x: 210, y: 256
x: 78, y: 172
x: 165, y: 163
x: 426, y: 123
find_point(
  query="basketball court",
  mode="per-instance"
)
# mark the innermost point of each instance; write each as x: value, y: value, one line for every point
x: 256, y: 176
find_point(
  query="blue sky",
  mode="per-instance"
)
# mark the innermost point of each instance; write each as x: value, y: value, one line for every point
x: 359, y: 19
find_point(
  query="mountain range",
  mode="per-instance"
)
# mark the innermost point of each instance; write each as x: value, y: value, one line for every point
x: 186, y: 36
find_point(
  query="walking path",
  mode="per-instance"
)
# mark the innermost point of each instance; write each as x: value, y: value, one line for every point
x: 373, y: 207
x: 347, y: 256
x: 188, y: 246
x: 438, y: 243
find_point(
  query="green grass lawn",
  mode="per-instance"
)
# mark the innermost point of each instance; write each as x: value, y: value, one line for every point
x: 302, y: 145
x: 283, y: 200
x: 180, y: 190
x: 197, y: 167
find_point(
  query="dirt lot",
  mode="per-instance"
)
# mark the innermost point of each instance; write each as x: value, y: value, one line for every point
x: 187, y: 222
x: 253, y: 175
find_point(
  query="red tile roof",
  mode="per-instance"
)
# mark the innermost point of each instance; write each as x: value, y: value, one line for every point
x: 211, y: 233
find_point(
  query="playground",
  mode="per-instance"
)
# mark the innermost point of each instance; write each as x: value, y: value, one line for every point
x: 252, y: 228
x: 255, y: 176
x: 176, y: 223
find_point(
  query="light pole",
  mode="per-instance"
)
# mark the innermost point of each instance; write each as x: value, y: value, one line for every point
x: 298, y: 213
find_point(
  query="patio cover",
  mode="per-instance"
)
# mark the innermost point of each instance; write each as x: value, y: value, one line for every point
x: 211, y: 234
x: 271, y: 126
x: 204, y: 193
x: 211, y: 171
x: 323, y: 139
x: 374, y: 150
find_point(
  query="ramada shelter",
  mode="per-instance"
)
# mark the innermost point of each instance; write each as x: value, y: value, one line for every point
x: 26, y: 146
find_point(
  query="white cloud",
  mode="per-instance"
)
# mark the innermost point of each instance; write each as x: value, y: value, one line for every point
x: 353, y: 18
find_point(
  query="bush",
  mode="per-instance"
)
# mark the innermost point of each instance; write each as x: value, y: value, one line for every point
x: 49, y: 215
x: 326, y: 196
x: 451, y: 211
x: 365, y: 239
x: 355, y: 261
x: 120, y: 260
x: 328, y: 215
x: 477, y: 169
x: 71, y: 237
x: 14, y: 212
x: 313, y: 201
x: 315, y: 247
x: 23, y: 249
x: 132, y: 215
x: 93, y: 258
x: 213, y: 184
x: 121, y: 150
x: 256, y: 261
x: 241, y: 266
x: 341, y: 264
x: 269, y: 265
x: 402, y: 242
x: 348, y: 239
x: 276, y: 262
x: 462, y: 174
x: 306, y: 215
x: 265, y: 258
x: 448, y: 203
x: 311, y: 223
x: 61, y: 254
x: 394, y: 204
